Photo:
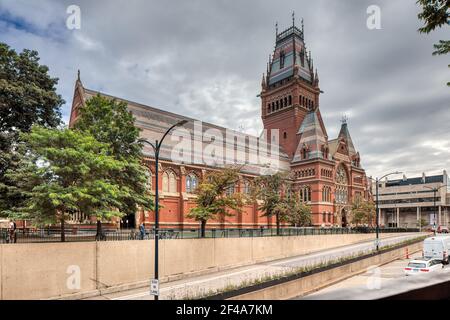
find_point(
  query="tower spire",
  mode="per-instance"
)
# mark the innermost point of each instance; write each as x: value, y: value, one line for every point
x: 276, y: 28
x: 293, y: 38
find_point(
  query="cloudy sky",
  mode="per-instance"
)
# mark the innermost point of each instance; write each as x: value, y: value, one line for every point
x: 205, y: 59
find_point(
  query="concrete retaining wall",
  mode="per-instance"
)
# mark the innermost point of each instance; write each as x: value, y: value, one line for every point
x: 44, y: 270
x: 315, y: 281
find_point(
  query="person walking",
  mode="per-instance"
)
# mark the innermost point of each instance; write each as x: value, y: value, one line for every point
x: 12, y: 232
x: 142, y: 230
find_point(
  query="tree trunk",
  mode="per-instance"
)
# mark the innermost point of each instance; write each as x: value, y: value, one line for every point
x: 278, y: 224
x: 63, y: 231
x: 203, y: 229
x: 98, y: 236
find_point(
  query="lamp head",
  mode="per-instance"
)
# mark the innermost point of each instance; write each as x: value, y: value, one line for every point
x: 181, y: 123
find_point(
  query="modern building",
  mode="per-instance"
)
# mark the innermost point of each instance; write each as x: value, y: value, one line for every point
x: 422, y: 201
x: 327, y: 173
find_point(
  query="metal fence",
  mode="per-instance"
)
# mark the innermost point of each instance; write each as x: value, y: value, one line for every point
x: 47, y: 235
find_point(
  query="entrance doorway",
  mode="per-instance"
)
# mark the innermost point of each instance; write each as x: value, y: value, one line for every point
x: 344, y: 218
x: 128, y: 222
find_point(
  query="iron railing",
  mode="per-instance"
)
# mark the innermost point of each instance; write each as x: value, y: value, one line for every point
x: 48, y: 235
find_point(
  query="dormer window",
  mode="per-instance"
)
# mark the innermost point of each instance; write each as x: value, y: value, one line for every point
x: 302, y: 58
x: 282, y: 57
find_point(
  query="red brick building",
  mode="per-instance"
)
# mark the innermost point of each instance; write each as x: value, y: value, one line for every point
x: 327, y: 173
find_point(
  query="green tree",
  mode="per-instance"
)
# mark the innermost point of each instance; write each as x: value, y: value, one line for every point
x: 213, y: 201
x: 299, y: 214
x: 421, y: 223
x: 269, y: 190
x: 27, y: 97
x: 435, y: 14
x: 62, y: 172
x: 110, y: 122
x: 363, y: 211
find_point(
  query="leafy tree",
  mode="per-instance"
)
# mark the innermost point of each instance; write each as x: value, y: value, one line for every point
x: 435, y: 14
x: 299, y: 213
x: 421, y: 223
x: 363, y: 211
x: 27, y: 96
x: 269, y: 189
x: 62, y: 172
x: 213, y: 200
x: 110, y: 122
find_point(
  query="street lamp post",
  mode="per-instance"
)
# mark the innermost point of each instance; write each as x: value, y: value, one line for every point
x: 156, y: 148
x: 435, y: 190
x: 377, y: 230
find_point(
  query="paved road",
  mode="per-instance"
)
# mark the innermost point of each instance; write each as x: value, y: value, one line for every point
x: 195, y: 287
x: 378, y: 282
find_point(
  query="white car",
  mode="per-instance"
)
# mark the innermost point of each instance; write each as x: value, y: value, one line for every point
x: 421, y: 266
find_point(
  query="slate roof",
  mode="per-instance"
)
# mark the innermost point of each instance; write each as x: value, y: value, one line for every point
x: 154, y: 122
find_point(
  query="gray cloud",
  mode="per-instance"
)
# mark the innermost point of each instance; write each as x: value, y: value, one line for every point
x: 205, y: 59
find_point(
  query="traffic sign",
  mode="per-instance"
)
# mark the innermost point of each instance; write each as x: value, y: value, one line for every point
x: 154, y: 287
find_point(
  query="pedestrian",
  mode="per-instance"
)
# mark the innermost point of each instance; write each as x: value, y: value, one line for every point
x: 142, y: 230
x: 12, y: 232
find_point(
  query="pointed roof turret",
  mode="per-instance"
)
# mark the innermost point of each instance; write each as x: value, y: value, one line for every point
x: 263, y: 81
x: 316, y: 79
x: 345, y: 134
x: 288, y: 58
x: 312, y: 138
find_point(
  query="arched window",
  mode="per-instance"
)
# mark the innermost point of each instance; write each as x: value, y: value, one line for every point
x: 342, y: 185
x: 326, y: 194
x: 278, y: 105
x: 165, y: 182
x: 284, y: 135
x: 273, y: 106
x: 305, y: 193
x: 290, y: 100
x: 268, y: 108
x: 304, y: 153
x: 169, y: 181
x: 191, y: 183
x: 230, y: 190
x: 247, y: 188
x: 148, y: 180
x: 285, y: 102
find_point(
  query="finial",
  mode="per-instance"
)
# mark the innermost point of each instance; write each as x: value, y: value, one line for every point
x: 316, y: 79
x: 78, y: 75
x: 344, y: 119
x: 276, y: 28
x: 293, y: 18
x: 302, y: 26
